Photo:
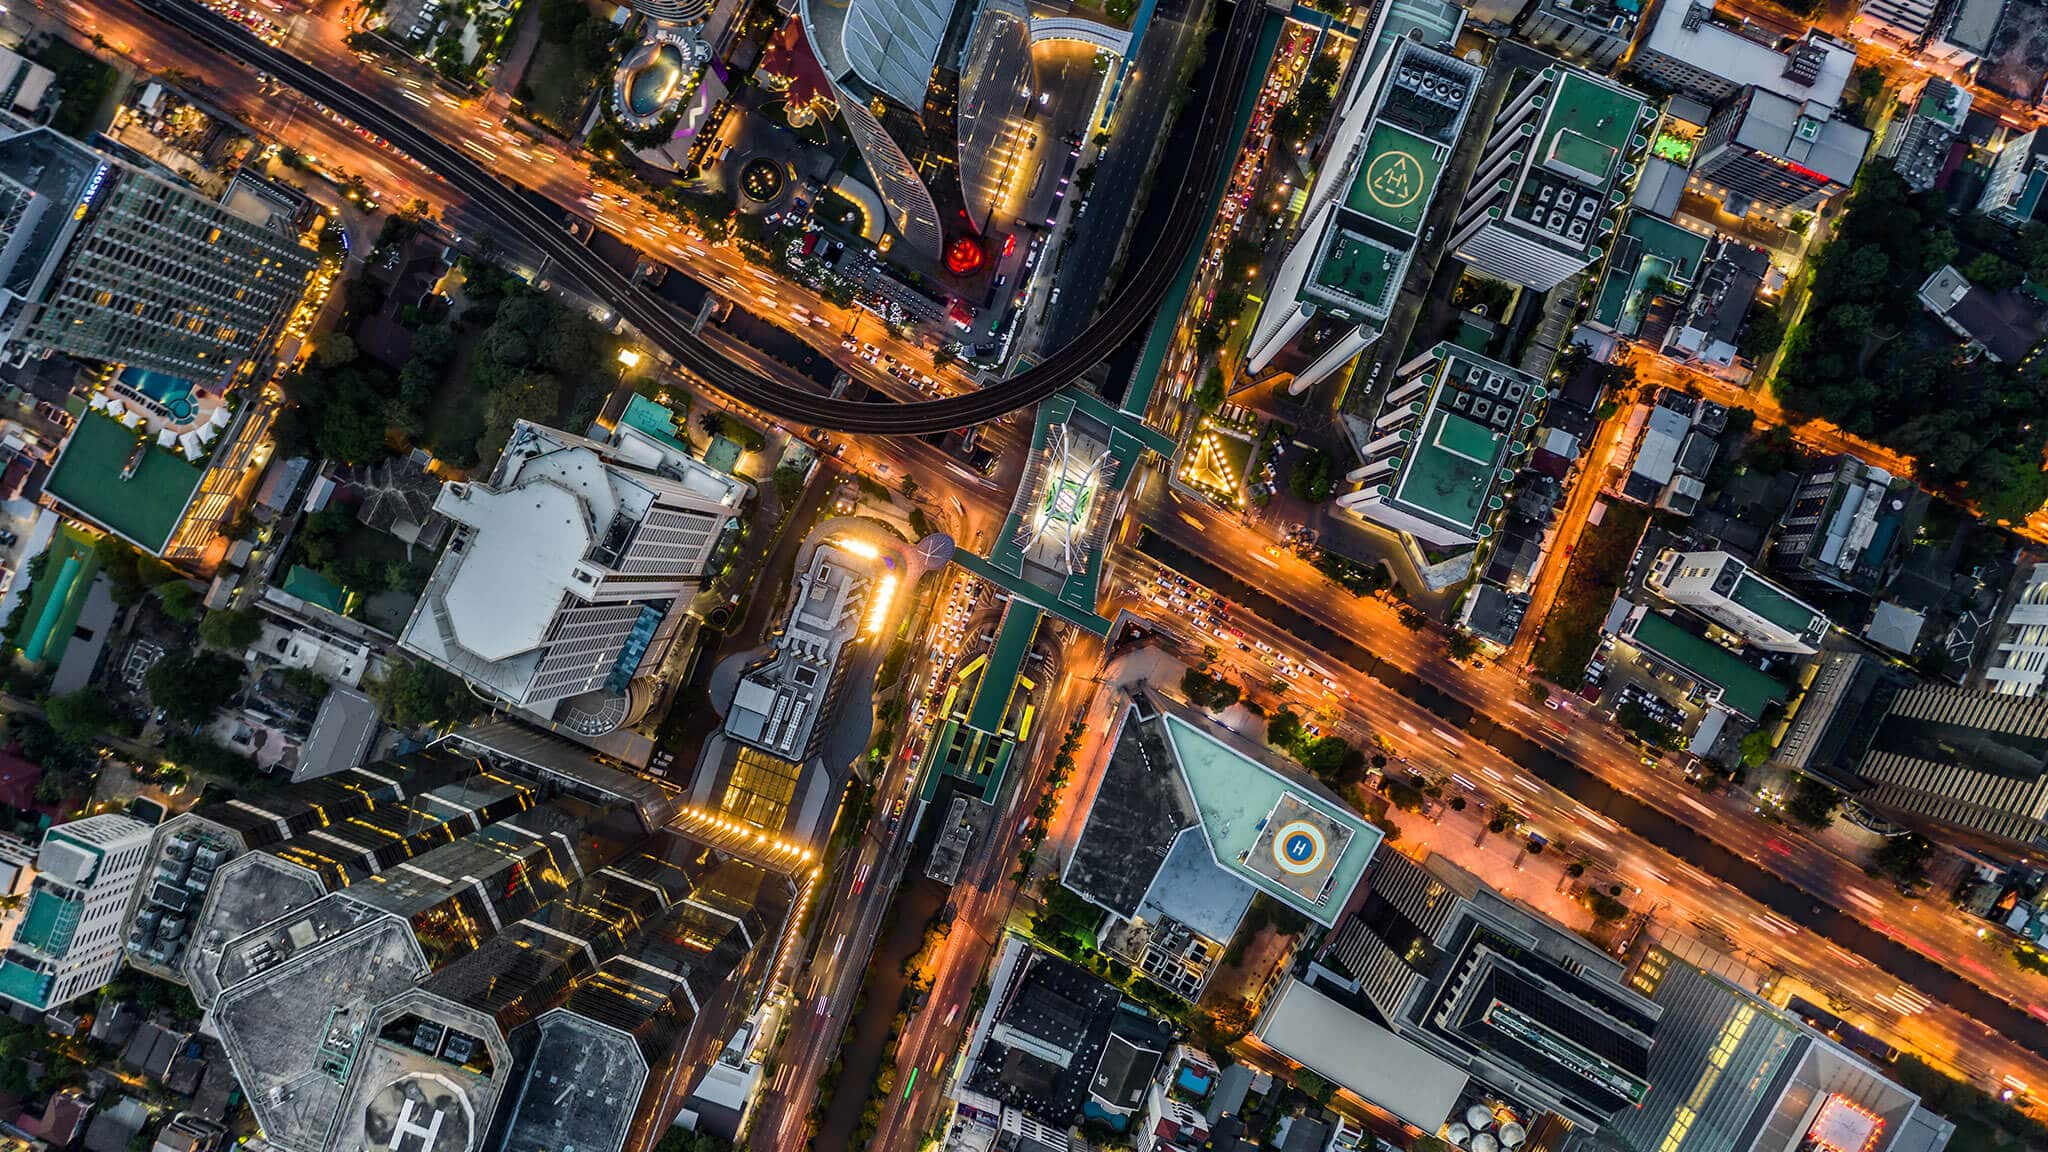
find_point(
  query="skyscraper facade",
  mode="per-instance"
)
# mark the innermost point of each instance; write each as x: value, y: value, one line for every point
x: 104, y: 261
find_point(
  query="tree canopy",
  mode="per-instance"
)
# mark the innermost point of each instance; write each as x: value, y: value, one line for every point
x: 232, y: 631
x: 412, y: 693
x: 1865, y: 358
x: 191, y: 686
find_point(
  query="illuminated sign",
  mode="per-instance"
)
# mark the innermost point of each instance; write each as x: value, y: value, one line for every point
x: 92, y: 189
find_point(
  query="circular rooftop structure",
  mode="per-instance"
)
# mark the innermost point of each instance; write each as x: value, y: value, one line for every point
x: 655, y: 76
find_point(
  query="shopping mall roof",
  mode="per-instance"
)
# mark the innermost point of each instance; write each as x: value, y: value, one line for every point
x: 115, y: 477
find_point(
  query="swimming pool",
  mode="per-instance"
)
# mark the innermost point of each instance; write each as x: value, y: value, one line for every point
x: 174, y: 393
x: 654, y: 83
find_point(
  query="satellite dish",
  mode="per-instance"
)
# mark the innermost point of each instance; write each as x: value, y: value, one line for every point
x: 1479, y: 1118
x: 1459, y: 1134
x: 1512, y: 1134
x: 1484, y: 1142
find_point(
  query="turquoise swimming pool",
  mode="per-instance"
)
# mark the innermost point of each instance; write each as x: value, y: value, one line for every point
x: 173, y: 392
x: 648, y: 93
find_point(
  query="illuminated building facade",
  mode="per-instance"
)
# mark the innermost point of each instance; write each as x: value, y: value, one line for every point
x: 107, y: 262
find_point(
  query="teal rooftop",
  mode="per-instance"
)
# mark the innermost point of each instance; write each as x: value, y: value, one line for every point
x: 120, y: 479
x: 1283, y: 835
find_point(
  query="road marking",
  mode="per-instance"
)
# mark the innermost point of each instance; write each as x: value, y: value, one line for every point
x: 1597, y: 818
x: 1492, y: 775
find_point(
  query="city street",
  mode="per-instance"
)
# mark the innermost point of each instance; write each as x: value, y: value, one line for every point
x: 1712, y: 837
x: 136, y: 36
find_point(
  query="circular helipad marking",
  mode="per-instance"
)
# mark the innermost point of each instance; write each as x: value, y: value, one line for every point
x: 1299, y: 848
x: 1394, y: 179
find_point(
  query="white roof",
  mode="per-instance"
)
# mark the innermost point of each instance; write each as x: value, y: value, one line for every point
x: 1742, y: 61
x: 1658, y: 456
x: 519, y: 562
x: 892, y: 44
x: 1358, y: 1055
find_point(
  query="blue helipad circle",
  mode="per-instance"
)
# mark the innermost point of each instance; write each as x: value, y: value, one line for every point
x: 1299, y: 848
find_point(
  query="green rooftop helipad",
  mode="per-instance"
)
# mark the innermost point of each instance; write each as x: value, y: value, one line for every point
x: 1395, y: 178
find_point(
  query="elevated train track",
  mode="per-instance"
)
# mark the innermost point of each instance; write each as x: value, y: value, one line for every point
x: 542, y: 224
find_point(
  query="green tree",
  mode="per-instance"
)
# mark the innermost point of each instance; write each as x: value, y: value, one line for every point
x: 192, y: 686
x: 230, y: 630
x: 1904, y: 857
x: 179, y: 601
x: 1756, y: 747
x: 1313, y: 477
x: 1331, y: 758
x: 789, y: 484
x: 1205, y: 691
x: 1315, y: 1087
x: 413, y: 693
x: 1283, y: 729
x: 1812, y: 803
x: 1209, y: 395
x: 80, y: 718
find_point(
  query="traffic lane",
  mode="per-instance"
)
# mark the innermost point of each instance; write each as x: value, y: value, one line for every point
x: 862, y: 883
x: 1119, y: 324
x: 854, y: 923
x: 982, y: 909
x: 1664, y: 883
x: 132, y: 33
x: 1903, y: 957
x: 560, y: 177
x: 1814, y: 866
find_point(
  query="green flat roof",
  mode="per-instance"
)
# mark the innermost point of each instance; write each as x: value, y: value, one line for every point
x: 1774, y: 604
x: 55, y: 600
x: 723, y: 454
x: 1450, y: 470
x: 147, y: 505
x: 1663, y: 252
x: 1005, y: 665
x: 1589, y: 124
x: 1682, y: 248
x: 1357, y: 268
x: 655, y: 419
x: 1744, y: 688
x: 1234, y: 792
x: 1395, y: 178
x: 314, y: 588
